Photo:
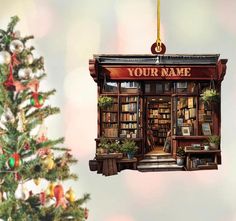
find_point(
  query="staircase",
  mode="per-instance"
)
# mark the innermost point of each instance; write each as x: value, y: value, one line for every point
x: 158, y: 162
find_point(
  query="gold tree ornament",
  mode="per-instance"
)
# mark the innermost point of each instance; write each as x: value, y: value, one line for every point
x: 70, y: 195
x: 50, y: 190
x: 49, y: 162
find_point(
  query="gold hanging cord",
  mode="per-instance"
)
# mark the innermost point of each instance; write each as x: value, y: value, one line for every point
x: 158, y: 25
x: 158, y: 47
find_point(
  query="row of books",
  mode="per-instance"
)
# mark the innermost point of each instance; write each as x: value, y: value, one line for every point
x: 165, y: 110
x: 110, y: 132
x: 128, y: 117
x: 128, y: 125
x: 109, y: 117
x: 129, y: 107
x: 129, y: 99
x: 164, y: 121
x: 109, y: 125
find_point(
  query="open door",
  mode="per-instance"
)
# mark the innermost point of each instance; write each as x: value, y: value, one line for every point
x: 158, y: 124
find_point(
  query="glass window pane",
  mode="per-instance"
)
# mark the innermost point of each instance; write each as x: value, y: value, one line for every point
x: 205, y: 119
x: 130, y: 87
x: 186, y: 87
x: 186, y: 116
x: 110, y: 87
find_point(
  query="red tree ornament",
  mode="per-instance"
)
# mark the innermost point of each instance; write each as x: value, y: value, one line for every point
x: 86, y: 213
x: 14, y: 161
x: 42, y: 198
x: 37, y: 100
x: 59, y: 195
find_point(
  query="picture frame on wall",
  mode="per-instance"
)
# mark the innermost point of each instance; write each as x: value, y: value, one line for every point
x: 185, y: 131
x: 206, y: 129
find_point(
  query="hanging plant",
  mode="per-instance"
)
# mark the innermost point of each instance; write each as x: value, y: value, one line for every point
x: 105, y: 102
x: 210, y: 96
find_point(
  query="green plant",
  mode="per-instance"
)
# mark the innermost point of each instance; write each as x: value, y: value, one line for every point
x: 104, y: 101
x: 210, y: 95
x: 104, y: 143
x: 128, y: 146
x: 115, y: 147
x: 180, y: 152
x: 214, y: 139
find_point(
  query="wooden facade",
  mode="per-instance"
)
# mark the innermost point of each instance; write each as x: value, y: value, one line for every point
x: 159, y: 95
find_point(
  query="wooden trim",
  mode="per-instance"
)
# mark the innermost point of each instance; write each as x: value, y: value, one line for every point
x: 189, y: 137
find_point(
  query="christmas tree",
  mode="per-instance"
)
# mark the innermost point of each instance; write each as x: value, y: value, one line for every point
x: 26, y: 153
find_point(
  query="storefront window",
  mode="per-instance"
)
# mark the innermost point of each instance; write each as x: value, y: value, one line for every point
x: 186, y: 87
x: 110, y: 87
x: 184, y: 116
x: 158, y: 87
x: 130, y: 87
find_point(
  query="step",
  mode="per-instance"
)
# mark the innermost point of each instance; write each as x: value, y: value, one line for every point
x: 157, y: 160
x: 155, y: 156
x: 159, y: 167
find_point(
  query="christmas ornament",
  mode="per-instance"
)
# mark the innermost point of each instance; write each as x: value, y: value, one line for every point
x: 43, y: 152
x: 9, y: 83
x: 21, y: 121
x: 42, y: 198
x: 16, y: 46
x: 5, y: 57
x: 42, y: 136
x: 48, y: 162
x: 50, y: 190
x: 24, y: 73
x: 14, y: 161
x: 70, y: 195
x: 86, y: 213
x: 21, y: 192
x: 27, y: 146
x: 59, y: 195
x: 29, y: 60
x: 7, y: 116
x: 36, y: 100
x: 37, y: 181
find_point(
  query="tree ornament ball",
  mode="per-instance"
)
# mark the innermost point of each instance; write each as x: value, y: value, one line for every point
x: 49, y: 162
x: 14, y: 161
x: 24, y: 73
x: 37, y: 100
x: 29, y: 60
x: 16, y: 46
x: 5, y: 57
x: 70, y: 195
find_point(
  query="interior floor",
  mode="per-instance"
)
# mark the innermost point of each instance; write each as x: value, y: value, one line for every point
x: 158, y: 150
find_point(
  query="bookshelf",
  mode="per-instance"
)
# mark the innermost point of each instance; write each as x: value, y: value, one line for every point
x: 159, y: 120
x: 129, y: 117
x: 109, y: 120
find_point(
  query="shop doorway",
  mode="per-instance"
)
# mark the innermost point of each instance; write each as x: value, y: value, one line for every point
x: 158, y: 125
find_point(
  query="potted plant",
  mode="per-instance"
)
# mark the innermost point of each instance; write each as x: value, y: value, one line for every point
x: 115, y: 147
x: 103, y: 146
x: 129, y: 147
x: 105, y: 102
x: 180, y: 153
x: 210, y: 96
x: 214, y: 142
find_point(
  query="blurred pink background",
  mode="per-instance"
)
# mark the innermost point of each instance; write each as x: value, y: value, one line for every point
x: 68, y: 33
